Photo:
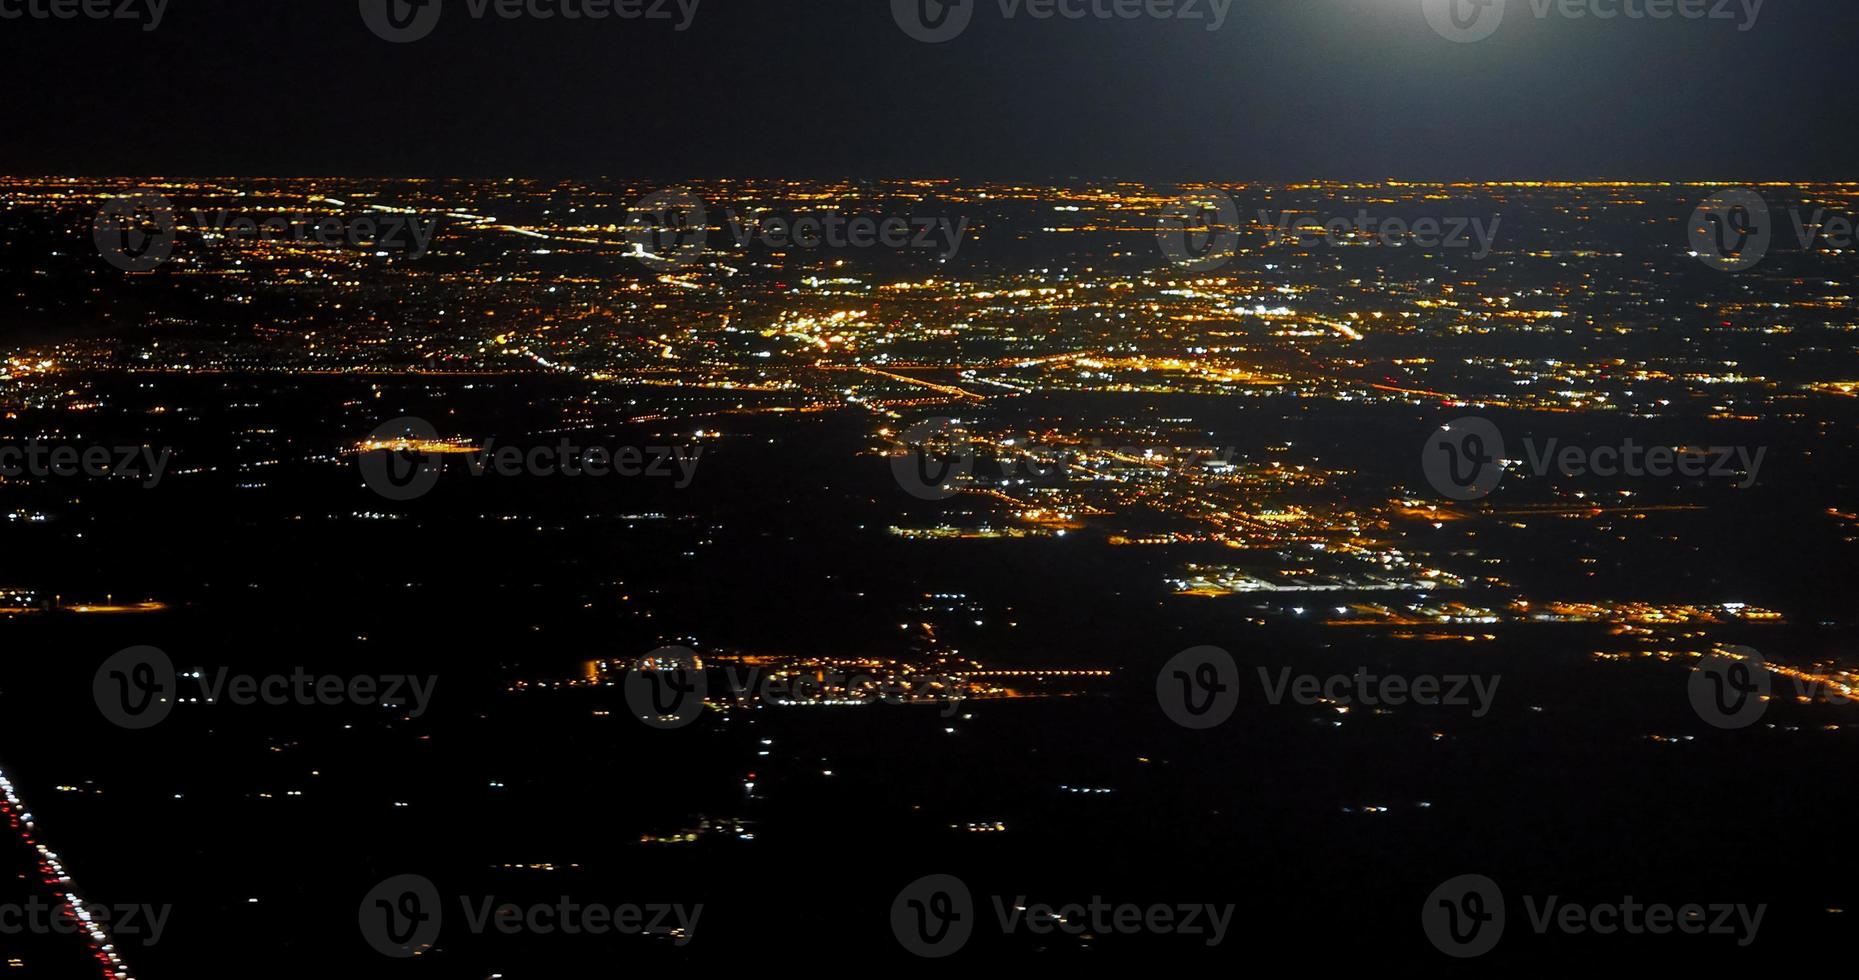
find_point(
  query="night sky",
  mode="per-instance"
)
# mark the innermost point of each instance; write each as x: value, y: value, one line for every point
x: 1285, y: 89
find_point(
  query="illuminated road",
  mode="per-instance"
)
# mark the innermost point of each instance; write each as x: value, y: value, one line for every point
x: 52, y: 873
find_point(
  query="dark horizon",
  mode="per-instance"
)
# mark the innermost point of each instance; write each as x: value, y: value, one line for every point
x: 1345, y: 89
